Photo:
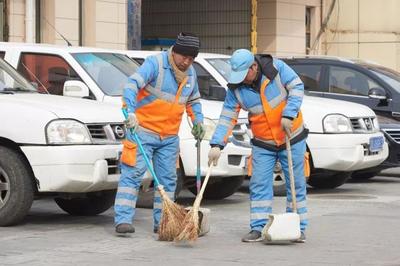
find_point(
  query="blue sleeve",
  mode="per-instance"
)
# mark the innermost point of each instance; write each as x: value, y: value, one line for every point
x: 227, y: 120
x: 193, y: 105
x: 146, y: 73
x: 294, y: 87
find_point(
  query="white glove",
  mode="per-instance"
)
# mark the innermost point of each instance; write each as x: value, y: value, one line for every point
x: 213, y: 155
x: 287, y: 125
x: 132, y: 122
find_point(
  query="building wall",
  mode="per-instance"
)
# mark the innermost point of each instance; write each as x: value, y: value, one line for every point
x: 281, y: 26
x: 16, y: 20
x: 104, y: 22
x: 365, y: 29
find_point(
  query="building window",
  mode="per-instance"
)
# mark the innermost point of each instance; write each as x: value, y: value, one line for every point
x: 3, y: 21
x: 308, y: 29
x: 37, y: 21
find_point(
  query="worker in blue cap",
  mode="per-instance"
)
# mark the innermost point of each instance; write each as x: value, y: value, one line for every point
x: 272, y: 94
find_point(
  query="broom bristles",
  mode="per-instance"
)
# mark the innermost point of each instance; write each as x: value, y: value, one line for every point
x: 172, y: 218
x: 190, y: 230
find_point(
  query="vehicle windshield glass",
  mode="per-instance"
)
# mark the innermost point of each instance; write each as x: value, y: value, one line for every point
x: 222, y: 65
x: 109, y: 70
x: 388, y: 75
x: 12, y: 81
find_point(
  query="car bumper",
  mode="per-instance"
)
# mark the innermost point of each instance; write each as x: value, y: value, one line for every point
x: 231, y: 163
x: 344, y: 152
x: 74, y: 168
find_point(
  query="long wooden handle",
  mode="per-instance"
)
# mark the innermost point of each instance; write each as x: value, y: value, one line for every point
x: 291, y: 174
x: 199, y: 196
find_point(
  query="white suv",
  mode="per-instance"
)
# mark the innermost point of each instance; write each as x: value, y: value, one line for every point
x: 343, y: 136
x: 101, y: 74
x: 49, y: 145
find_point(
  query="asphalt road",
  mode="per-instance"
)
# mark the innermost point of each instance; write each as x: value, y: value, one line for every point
x: 356, y: 224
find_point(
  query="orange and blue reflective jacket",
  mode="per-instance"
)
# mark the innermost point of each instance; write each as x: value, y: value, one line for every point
x: 279, y: 95
x: 156, y: 98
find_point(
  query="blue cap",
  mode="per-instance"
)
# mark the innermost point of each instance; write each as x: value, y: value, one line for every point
x: 241, y: 61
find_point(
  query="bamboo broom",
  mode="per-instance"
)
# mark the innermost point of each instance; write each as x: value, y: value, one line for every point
x: 190, y: 231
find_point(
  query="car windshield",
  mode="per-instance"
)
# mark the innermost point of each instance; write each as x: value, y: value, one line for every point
x: 388, y: 75
x: 11, y: 81
x: 109, y: 70
x: 222, y: 65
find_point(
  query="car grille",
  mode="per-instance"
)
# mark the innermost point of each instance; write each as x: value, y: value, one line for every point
x: 106, y: 133
x: 113, y: 166
x: 394, y: 134
x: 363, y: 124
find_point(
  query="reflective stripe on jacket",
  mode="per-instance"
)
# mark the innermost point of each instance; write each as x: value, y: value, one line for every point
x: 281, y: 96
x: 158, y: 100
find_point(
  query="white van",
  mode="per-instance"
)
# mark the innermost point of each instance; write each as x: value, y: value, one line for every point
x: 342, y: 138
x: 100, y: 75
x: 50, y: 145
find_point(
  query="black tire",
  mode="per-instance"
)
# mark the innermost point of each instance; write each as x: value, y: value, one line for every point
x: 332, y: 181
x: 279, y: 184
x: 221, y: 188
x: 94, y: 203
x: 364, y: 175
x: 16, y: 187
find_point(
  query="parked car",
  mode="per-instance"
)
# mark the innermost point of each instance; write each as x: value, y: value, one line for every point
x: 339, y: 141
x: 100, y: 74
x: 361, y: 82
x: 55, y: 146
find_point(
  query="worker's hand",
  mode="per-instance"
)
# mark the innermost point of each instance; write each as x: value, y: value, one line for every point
x: 213, y: 155
x: 198, y: 131
x: 287, y: 125
x: 131, y: 122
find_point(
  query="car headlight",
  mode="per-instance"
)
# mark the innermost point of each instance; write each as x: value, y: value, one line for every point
x: 67, y: 132
x: 376, y: 123
x: 336, y: 123
x: 210, y: 126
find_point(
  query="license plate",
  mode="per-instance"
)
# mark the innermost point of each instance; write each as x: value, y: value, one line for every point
x: 376, y: 144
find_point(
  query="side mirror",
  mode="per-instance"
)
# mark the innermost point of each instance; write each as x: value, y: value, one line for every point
x: 75, y: 88
x: 377, y: 93
x: 217, y: 93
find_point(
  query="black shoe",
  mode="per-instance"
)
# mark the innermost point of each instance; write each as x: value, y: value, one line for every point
x: 302, y: 238
x: 252, y: 236
x: 125, y: 229
x: 155, y: 230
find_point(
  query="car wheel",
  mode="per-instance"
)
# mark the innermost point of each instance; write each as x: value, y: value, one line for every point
x: 16, y: 187
x: 360, y: 175
x: 220, y: 188
x: 94, y: 203
x: 332, y: 181
x: 279, y: 180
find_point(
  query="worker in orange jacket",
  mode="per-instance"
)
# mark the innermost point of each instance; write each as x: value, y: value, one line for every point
x: 272, y: 94
x: 155, y: 98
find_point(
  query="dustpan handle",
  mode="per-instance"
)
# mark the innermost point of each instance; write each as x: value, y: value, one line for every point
x: 291, y: 175
x: 139, y: 143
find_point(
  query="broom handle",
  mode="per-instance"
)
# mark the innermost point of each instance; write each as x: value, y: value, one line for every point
x: 198, y: 173
x: 146, y: 159
x: 199, y: 196
x: 291, y: 175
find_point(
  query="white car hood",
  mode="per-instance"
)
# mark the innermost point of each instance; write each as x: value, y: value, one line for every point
x: 314, y: 110
x: 86, y: 111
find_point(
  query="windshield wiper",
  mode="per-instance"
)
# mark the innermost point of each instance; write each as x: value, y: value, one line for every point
x: 17, y: 89
x: 6, y: 92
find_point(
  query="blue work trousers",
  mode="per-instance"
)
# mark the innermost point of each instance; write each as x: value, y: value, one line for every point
x: 163, y: 153
x: 261, y: 184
